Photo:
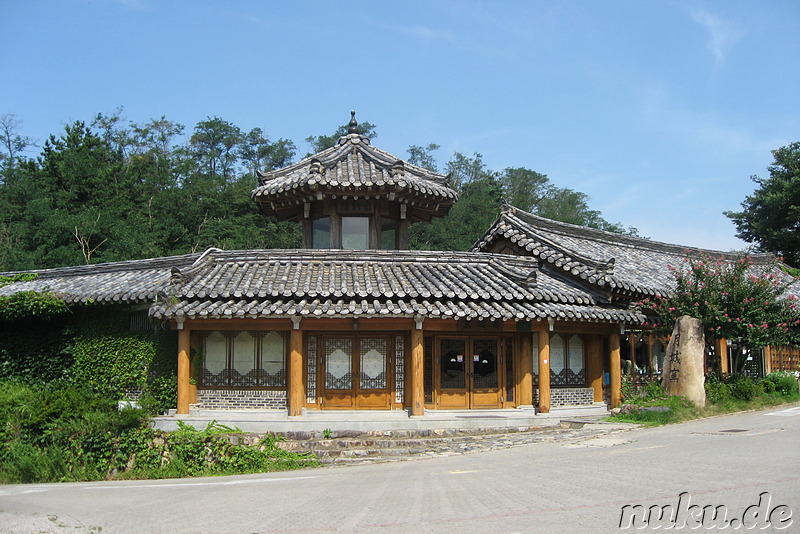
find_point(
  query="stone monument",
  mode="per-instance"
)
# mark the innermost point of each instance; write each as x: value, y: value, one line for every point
x: 684, y: 372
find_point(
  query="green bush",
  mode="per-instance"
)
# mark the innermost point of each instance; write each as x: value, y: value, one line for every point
x: 745, y: 388
x: 71, y: 432
x: 783, y: 383
x: 717, y: 391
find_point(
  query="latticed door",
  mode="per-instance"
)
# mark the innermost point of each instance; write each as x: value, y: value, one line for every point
x: 356, y: 372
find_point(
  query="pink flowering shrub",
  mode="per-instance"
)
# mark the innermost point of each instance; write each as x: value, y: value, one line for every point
x: 733, y: 299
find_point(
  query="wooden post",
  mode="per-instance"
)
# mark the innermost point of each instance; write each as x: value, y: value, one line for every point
x: 594, y: 365
x: 544, y: 372
x: 525, y: 370
x: 193, y: 372
x: 767, y: 360
x: 184, y: 394
x: 722, y: 352
x: 417, y: 368
x: 616, y: 370
x: 297, y: 387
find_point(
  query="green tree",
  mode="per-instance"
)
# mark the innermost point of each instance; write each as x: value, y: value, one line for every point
x: 423, y: 156
x: 524, y: 188
x: 734, y: 300
x: 12, y: 144
x: 215, y: 146
x: 770, y: 217
x: 259, y: 154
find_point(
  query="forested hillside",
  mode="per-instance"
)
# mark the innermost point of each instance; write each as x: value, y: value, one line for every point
x: 109, y: 190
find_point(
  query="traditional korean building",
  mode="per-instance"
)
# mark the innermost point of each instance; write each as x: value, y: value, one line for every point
x: 537, y: 314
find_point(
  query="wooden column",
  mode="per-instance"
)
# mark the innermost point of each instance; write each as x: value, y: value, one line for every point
x: 594, y: 365
x: 193, y: 373
x: 402, y: 235
x: 767, y: 360
x: 544, y: 372
x: 525, y: 370
x: 722, y: 353
x: 184, y: 393
x: 297, y: 386
x: 416, y: 375
x: 616, y: 370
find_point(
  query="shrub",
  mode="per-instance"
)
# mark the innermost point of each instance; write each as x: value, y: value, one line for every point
x: 783, y: 383
x: 74, y: 433
x: 717, y: 392
x: 745, y: 388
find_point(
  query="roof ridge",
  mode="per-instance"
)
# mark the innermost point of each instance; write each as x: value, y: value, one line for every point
x: 110, y: 267
x: 213, y: 255
x: 597, y: 234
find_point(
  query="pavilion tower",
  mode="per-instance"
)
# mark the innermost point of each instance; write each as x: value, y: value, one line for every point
x: 354, y: 196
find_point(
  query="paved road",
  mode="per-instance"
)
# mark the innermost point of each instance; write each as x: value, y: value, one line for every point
x: 574, y: 487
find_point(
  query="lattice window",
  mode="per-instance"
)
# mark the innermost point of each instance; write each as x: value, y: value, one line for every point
x: 272, y: 371
x: 567, y: 360
x: 427, y: 371
x: 311, y: 385
x: 572, y: 369
x: 399, y: 369
x: 373, y: 354
x: 339, y: 363
x: 244, y: 359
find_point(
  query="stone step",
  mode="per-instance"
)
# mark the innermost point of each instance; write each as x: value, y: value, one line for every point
x: 375, y: 449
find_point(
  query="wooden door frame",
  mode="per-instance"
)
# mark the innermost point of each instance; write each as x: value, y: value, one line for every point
x: 355, y: 366
x: 469, y: 389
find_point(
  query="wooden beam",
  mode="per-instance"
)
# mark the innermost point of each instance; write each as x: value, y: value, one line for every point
x: 594, y: 365
x: 184, y: 347
x: 767, y: 360
x: 297, y: 386
x: 524, y: 369
x: 616, y: 370
x: 416, y: 374
x: 722, y: 352
x: 544, y: 372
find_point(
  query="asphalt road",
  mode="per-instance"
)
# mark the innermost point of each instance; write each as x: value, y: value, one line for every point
x: 548, y: 487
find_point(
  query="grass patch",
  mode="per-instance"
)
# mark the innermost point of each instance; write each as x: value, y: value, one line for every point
x: 723, y: 396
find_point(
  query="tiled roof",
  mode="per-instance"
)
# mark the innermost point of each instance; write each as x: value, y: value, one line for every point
x: 105, y: 283
x: 626, y: 264
x: 353, y: 168
x: 377, y: 283
x: 332, y: 283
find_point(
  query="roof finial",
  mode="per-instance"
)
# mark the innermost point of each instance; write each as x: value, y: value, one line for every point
x: 353, y: 125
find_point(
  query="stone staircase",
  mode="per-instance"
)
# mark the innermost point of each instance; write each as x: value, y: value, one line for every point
x: 384, y: 446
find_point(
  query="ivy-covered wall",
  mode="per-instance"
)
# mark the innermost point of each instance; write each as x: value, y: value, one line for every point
x: 95, y: 346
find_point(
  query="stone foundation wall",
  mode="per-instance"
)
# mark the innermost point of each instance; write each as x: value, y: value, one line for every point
x: 241, y: 399
x: 567, y: 396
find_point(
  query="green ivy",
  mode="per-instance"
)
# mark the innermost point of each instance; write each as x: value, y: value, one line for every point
x: 31, y: 305
x: 21, y: 277
x: 94, y: 347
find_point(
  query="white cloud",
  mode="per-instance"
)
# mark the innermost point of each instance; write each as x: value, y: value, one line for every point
x: 425, y: 33
x: 722, y: 34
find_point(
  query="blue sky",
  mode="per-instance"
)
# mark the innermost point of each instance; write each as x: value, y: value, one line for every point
x: 660, y: 111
